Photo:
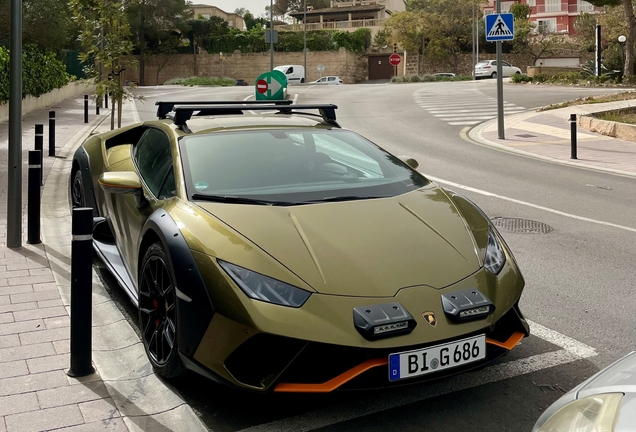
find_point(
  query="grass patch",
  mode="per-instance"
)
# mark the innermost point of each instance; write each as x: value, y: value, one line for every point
x: 620, y: 116
x: 202, y: 81
x: 627, y: 95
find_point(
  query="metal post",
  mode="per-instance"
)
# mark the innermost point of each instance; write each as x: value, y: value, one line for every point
x: 85, y: 108
x: 271, y: 35
x: 33, y: 214
x: 599, y: 50
x: 39, y: 145
x: 81, y: 292
x: 474, y: 37
x: 51, y: 133
x: 573, y: 136
x: 14, y: 157
x: 305, y: 39
x: 96, y: 107
x: 500, y: 110
x: 106, y: 100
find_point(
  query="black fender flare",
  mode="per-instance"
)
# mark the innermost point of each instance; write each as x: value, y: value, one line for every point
x: 194, y: 307
x: 81, y: 157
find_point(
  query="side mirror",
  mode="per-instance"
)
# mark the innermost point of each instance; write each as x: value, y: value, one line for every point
x: 409, y: 161
x: 120, y: 182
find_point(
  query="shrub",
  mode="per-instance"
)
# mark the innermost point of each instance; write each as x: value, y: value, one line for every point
x: 519, y: 78
x: 41, y: 73
x: 202, y: 81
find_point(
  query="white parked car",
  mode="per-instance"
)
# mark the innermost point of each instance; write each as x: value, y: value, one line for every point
x: 328, y: 80
x: 488, y: 68
x: 295, y: 73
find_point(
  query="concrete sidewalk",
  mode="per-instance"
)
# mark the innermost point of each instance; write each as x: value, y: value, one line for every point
x: 35, y: 392
x: 546, y: 135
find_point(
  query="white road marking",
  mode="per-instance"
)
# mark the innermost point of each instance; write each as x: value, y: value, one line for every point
x: 135, y: 113
x: 575, y: 347
x: 516, y: 201
x: 295, y: 98
x: 464, y: 123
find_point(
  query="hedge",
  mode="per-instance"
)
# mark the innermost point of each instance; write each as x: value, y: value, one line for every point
x: 41, y: 73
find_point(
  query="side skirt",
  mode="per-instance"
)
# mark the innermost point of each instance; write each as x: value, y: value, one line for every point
x: 110, y: 255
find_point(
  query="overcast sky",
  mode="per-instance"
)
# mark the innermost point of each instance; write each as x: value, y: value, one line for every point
x: 257, y: 7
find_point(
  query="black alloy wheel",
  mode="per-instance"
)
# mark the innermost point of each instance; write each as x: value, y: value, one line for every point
x: 77, y: 191
x: 158, y: 312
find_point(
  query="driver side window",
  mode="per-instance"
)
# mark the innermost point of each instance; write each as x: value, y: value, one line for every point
x: 153, y: 157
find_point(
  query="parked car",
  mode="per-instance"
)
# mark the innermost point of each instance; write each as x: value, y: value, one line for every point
x: 241, y: 82
x: 281, y: 252
x: 295, y: 73
x: 488, y: 68
x: 605, y: 402
x: 328, y: 80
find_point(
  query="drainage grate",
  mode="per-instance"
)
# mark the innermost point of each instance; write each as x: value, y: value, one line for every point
x: 524, y: 226
x: 526, y: 136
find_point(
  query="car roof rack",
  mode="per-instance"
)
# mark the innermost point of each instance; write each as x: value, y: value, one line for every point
x: 184, y: 113
x: 164, y: 107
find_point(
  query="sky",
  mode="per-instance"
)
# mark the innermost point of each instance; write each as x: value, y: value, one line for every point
x: 257, y: 7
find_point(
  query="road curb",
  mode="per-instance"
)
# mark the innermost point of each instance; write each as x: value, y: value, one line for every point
x: 475, y: 135
x: 144, y: 402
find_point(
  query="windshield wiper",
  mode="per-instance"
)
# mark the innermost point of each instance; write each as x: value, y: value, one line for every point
x: 237, y: 200
x: 344, y: 198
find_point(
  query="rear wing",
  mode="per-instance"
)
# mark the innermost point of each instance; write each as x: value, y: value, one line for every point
x: 184, y: 113
x: 165, y: 107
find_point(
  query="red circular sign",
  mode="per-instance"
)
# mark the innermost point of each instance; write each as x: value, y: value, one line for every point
x: 395, y: 59
x: 261, y: 86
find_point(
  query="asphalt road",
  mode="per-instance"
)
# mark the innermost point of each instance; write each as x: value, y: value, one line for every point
x: 579, y: 276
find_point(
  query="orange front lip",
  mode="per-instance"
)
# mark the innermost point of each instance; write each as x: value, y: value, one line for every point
x: 347, y: 376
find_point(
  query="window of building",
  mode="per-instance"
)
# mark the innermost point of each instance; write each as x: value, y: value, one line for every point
x: 546, y: 25
x: 206, y: 16
x: 583, y: 6
x: 553, y: 5
x: 531, y: 3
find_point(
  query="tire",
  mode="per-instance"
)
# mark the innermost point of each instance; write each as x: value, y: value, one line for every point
x: 158, y: 312
x: 302, y: 80
x: 493, y: 75
x: 517, y: 73
x: 78, y: 198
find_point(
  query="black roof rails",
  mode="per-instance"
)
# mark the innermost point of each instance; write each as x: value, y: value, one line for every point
x: 184, y: 113
x: 164, y: 107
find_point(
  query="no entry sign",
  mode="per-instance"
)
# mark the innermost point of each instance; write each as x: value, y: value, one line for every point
x: 261, y: 86
x: 395, y: 59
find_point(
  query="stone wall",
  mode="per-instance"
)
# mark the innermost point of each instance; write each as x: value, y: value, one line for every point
x: 349, y: 66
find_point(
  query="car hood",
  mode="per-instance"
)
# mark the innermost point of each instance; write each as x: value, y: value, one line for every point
x: 362, y: 248
x: 618, y: 377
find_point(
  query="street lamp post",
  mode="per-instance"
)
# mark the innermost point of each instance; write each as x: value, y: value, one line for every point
x: 271, y: 35
x: 621, y: 40
x: 305, y: 39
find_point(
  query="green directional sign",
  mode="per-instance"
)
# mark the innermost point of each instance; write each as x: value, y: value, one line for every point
x: 271, y: 86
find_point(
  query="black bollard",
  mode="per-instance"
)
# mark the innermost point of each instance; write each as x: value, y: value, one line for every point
x: 106, y: 101
x: 34, y: 181
x: 97, y: 107
x: 81, y: 292
x: 52, y: 133
x: 39, y: 145
x: 573, y: 136
x: 85, y: 108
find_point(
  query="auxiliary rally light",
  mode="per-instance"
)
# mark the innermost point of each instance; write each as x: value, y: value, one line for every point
x: 474, y: 311
x: 390, y: 327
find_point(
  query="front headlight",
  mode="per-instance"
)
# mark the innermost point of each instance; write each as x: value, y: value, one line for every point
x: 495, y: 256
x: 260, y: 287
x: 591, y: 414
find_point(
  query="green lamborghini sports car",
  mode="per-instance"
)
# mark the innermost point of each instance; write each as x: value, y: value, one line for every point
x: 269, y: 249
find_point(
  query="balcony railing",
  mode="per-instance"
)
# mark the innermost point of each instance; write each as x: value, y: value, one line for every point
x: 564, y: 7
x: 333, y: 25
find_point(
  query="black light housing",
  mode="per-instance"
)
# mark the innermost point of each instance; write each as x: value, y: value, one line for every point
x: 467, y: 305
x: 383, y: 320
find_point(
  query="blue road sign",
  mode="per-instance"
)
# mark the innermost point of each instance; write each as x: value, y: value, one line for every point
x: 500, y: 27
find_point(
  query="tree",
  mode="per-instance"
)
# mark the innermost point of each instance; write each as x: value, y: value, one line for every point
x: 199, y: 30
x: 162, y: 49
x: 281, y: 7
x: 630, y: 34
x: 105, y: 38
x: 585, y: 31
x: 45, y: 23
x: 150, y: 18
x: 409, y: 29
x: 252, y: 22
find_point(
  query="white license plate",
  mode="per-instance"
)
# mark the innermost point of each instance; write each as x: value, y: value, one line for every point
x: 410, y: 364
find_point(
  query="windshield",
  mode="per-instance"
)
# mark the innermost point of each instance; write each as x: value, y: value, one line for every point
x: 289, y: 167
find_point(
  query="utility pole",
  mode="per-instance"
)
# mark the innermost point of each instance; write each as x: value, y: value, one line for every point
x: 500, y: 111
x: 305, y: 39
x: 14, y: 186
x: 473, y: 25
x: 142, y: 43
x: 271, y: 35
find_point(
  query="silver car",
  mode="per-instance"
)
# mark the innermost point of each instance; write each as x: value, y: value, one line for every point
x: 328, y: 80
x: 605, y: 402
x: 488, y: 68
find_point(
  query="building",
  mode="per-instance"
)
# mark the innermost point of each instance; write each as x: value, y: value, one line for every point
x: 347, y: 15
x: 207, y: 11
x: 550, y: 16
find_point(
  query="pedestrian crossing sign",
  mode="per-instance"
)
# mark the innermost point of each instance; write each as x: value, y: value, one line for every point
x: 500, y: 27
